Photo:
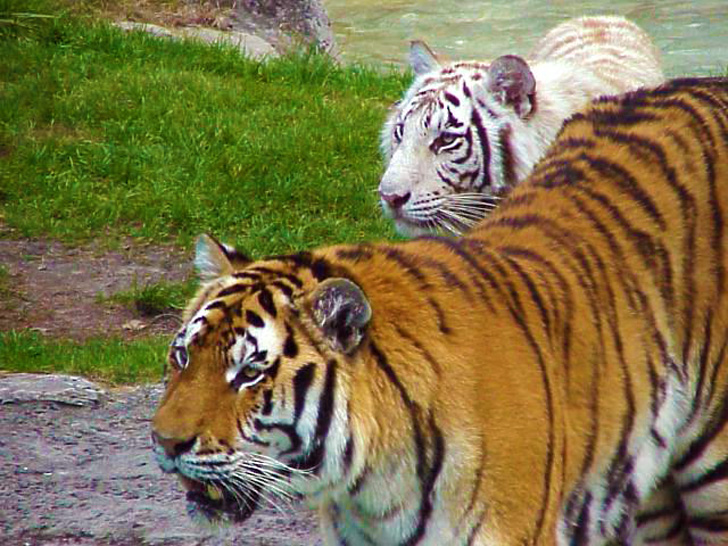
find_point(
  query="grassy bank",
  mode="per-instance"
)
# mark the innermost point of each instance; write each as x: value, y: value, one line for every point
x: 106, y: 136
x: 109, y: 360
x: 128, y: 135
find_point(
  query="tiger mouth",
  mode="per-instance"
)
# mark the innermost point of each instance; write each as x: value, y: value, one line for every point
x: 214, y: 503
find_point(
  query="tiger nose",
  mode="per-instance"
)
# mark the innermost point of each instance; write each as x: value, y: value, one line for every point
x: 395, y: 200
x: 174, y: 447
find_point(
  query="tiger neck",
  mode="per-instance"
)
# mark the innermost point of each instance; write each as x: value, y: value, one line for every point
x: 389, y: 487
x: 562, y: 90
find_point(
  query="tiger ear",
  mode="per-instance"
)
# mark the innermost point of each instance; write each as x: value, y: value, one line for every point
x: 342, y: 312
x: 512, y: 82
x: 422, y: 59
x: 214, y: 259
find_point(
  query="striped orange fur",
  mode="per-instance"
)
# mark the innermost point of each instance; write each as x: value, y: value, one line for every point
x: 557, y: 376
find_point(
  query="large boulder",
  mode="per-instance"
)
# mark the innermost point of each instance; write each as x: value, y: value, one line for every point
x: 286, y: 22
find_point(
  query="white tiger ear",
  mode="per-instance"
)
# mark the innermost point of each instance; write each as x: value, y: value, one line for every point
x: 511, y: 81
x: 214, y: 259
x: 342, y: 312
x: 422, y: 59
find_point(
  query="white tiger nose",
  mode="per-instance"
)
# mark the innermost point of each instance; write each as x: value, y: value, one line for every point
x: 395, y: 200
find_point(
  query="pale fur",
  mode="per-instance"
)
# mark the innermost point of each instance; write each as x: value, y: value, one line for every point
x: 574, y: 63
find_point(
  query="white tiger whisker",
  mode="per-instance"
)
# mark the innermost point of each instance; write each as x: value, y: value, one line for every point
x: 460, y: 219
x: 472, y: 215
x: 472, y: 206
x: 448, y: 225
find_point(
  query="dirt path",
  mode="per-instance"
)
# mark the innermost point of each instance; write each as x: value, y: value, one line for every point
x: 85, y: 476
x: 57, y: 289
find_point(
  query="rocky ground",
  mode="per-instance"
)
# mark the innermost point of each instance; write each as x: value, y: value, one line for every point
x: 259, y: 28
x: 79, y: 471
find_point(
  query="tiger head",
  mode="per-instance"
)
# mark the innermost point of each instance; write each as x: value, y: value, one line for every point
x: 242, y: 421
x: 446, y: 144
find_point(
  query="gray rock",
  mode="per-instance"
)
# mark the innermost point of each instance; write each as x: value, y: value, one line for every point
x: 86, y: 476
x: 286, y: 22
x: 64, y: 389
x: 260, y: 28
x: 154, y: 30
x: 249, y: 44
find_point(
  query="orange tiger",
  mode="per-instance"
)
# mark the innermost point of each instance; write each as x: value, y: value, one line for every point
x: 558, y: 376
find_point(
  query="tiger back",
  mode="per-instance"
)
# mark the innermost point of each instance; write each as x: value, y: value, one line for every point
x: 465, y: 132
x: 557, y: 376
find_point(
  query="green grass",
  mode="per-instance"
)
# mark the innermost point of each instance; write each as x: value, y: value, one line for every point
x: 128, y: 135
x: 6, y: 293
x: 111, y: 360
x: 106, y: 135
x: 151, y: 299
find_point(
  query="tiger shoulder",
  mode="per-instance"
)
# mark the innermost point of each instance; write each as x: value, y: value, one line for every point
x: 557, y: 376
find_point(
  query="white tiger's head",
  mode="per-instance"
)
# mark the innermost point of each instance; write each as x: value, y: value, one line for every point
x: 446, y: 143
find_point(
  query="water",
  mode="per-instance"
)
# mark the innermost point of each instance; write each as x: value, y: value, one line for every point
x: 692, y: 35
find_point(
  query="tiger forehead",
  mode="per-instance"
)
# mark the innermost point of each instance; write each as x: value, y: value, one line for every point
x: 246, y: 297
x: 453, y: 74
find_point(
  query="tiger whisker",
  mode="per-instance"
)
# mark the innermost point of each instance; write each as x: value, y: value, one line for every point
x: 266, y: 495
x: 447, y: 224
x: 272, y: 485
x: 273, y: 463
x: 470, y: 206
x: 465, y: 214
x: 263, y: 492
x: 459, y: 219
x: 474, y: 196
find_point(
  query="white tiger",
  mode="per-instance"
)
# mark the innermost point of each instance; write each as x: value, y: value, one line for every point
x: 467, y: 131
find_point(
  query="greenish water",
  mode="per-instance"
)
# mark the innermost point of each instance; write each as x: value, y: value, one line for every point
x: 692, y: 35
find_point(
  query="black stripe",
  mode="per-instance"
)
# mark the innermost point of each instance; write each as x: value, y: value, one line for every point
x: 232, y: 289
x: 477, y: 121
x: 459, y: 249
x: 216, y: 304
x: 699, y: 445
x: 583, y: 521
x: 290, y: 347
x: 265, y: 299
x: 267, y: 402
x: 254, y: 319
x: 449, y: 97
x: 427, y: 476
x: 646, y: 518
x: 718, y: 473
x: 315, y: 456
x: 714, y: 524
x: 301, y: 383
x: 516, y: 310
x: 440, y: 314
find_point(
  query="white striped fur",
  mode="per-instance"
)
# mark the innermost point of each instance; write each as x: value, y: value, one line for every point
x: 467, y: 131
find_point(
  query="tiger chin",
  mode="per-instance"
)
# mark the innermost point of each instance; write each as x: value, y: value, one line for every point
x: 467, y: 132
x: 559, y: 375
